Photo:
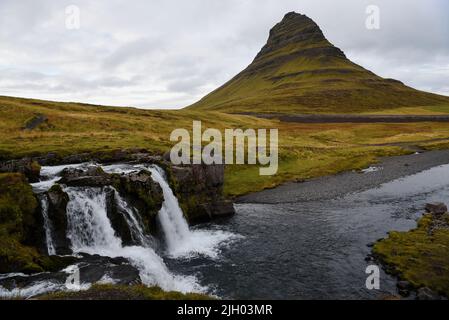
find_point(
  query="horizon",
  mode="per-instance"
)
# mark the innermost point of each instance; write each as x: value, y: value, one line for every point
x: 127, y: 65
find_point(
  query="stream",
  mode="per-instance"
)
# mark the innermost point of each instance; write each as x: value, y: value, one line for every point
x: 299, y: 250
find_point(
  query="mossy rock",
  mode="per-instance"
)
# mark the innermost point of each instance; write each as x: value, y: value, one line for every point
x: 420, y: 256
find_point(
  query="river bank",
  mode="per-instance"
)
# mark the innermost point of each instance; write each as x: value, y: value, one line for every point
x: 330, y: 187
x: 318, y: 243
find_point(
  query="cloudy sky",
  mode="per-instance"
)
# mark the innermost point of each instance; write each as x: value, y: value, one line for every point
x: 168, y: 54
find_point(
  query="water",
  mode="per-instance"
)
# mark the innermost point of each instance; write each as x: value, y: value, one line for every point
x: 90, y: 231
x: 181, y: 241
x: 47, y: 226
x: 134, y: 223
x: 308, y: 250
x: 317, y: 249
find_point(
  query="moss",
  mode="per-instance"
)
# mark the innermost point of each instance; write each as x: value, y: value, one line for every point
x: 18, y: 224
x: 17, y: 204
x: 420, y: 256
x: 121, y: 292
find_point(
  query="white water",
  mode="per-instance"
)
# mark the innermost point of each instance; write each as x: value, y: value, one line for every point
x: 181, y: 241
x: 90, y: 231
x: 31, y: 291
x: 132, y: 219
x: 47, y: 226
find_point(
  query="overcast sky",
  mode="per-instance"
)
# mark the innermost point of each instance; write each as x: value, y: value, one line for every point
x: 168, y: 54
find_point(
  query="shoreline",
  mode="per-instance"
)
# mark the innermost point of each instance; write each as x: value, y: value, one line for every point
x: 334, y: 186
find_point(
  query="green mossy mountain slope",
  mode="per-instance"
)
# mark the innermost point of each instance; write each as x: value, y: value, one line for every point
x: 300, y: 71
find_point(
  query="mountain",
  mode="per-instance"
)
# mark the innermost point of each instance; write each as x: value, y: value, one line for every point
x: 300, y: 71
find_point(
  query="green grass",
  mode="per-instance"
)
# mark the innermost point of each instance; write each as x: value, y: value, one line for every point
x: 420, y: 256
x: 305, y: 150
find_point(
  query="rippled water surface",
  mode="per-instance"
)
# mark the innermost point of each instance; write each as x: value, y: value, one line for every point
x: 316, y: 250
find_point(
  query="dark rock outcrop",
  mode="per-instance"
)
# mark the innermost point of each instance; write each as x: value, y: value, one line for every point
x: 27, y: 166
x: 117, y: 218
x: 35, y: 122
x: 57, y: 213
x: 92, y: 269
x: 436, y: 208
x: 200, y: 191
x: 142, y: 193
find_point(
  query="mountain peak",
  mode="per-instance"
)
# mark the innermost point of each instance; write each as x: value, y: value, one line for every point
x: 299, y: 71
x: 297, y: 34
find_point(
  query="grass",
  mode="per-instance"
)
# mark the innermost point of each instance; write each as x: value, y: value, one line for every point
x: 122, y: 292
x: 306, y: 150
x: 420, y: 256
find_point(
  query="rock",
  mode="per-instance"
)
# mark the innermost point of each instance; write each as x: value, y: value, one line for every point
x: 436, y: 208
x: 219, y: 209
x: 117, y: 218
x: 427, y: 294
x: 141, y: 192
x: 92, y: 177
x: 57, y: 213
x: 29, y: 167
x: 35, y: 122
x: 93, y: 269
x: 404, y: 288
x: 199, y: 189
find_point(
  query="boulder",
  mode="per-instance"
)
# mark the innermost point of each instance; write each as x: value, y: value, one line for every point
x: 92, y: 177
x: 436, y: 208
x: 404, y: 288
x: 427, y: 294
x: 199, y: 189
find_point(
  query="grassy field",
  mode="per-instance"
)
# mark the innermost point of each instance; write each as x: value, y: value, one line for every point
x: 306, y: 150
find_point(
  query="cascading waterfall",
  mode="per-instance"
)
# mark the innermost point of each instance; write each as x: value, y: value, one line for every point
x: 171, y: 217
x: 133, y: 220
x: 181, y: 241
x: 47, y: 226
x: 90, y: 231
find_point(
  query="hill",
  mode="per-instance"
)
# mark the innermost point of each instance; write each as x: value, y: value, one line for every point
x: 300, y: 71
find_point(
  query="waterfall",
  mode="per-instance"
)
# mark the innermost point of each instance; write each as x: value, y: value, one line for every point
x: 134, y: 223
x: 171, y: 217
x: 90, y: 231
x: 180, y: 240
x: 47, y: 226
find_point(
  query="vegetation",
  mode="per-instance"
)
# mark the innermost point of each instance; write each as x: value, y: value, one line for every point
x: 306, y: 150
x: 122, y: 292
x: 18, y: 228
x: 300, y: 71
x: 420, y: 256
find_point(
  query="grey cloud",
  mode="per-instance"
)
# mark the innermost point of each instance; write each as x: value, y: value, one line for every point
x: 167, y: 53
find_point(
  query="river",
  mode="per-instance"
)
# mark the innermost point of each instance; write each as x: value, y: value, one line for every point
x: 316, y: 249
